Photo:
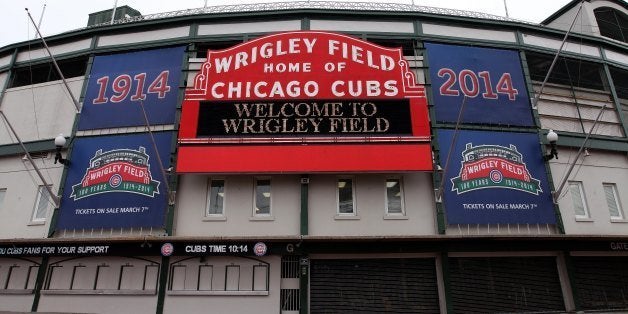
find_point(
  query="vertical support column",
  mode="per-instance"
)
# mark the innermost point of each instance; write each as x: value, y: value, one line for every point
x: 537, y: 124
x: 611, y: 84
x: 444, y: 259
x: 304, y: 284
x: 39, y: 283
x: 305, y: 182
x: 304, y: 261
x: 566, y: 273
x: 52, y: 228
x: 163, y: 284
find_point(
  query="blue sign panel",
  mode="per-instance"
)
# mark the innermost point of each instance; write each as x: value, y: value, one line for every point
x: 120, y: 84
x: 116, y: 182
x: 490, y: 79
x: 495, y: 178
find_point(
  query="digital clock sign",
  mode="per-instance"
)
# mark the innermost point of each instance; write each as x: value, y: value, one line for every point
x: 207, y: 249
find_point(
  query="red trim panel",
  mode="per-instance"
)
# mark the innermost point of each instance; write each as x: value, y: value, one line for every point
x: 304, y: 158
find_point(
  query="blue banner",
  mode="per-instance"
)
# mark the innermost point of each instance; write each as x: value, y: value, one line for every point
x: 491, y: 79
x: 116, y: 182
x: 120, y: 84
x: 495, y: 178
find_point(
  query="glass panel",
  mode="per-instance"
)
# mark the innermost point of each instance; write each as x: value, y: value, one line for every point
x: 107, y: 278
x: 41, y: 204
x: 131, y: 278
x: 216, y: 197
x: 205, y: 276
x: 262, y: 197
x: 345, y: 196
x: 260, y: 276
x: 32, y: 277
x: 59, y: 277
x: 232, y: 281
x: 393, y: 196
x: 611, y: 200
x: 578, y: 201
x: 3, y: 192
x: 151, y: 277
x: 178, y: 278
x: 83, y: 278
x: 14, y: 280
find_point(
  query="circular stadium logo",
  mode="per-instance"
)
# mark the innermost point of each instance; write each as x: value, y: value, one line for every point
x: 167, y: 249
x: 496, y: 176
x: 115, y: 180
x: 260, y: 249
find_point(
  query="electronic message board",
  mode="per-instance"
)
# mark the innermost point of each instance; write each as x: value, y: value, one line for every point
x: 304, y: 101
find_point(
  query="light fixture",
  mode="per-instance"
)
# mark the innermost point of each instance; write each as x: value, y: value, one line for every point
x: 552, y: 138
x: 59, y: 143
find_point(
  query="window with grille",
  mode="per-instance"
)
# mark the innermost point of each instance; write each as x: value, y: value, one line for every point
x: 262, y: 197
x: 3, y: 192
x: 612, y: 199
x: 505, y: 285
x: 580, y: 207
x: 394, y: 197
x: 390, y: 285
x: 345, y: 196
x: 42, y: 203
x: 216, y: 198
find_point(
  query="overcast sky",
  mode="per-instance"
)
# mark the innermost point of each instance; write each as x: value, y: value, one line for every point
x: 64, y: 15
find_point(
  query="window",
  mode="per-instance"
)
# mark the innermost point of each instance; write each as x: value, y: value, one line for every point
x: 614, y: 208
x: 260, y: 276
x: 346, y: 204
x: 3, y: 192
x: 42, y: 203
x: 579, y: 202
x: 201, y: 48
x: 212, y: 275
x: 407, y: 45
x: 232, y: 277
x: 41, y: 73
x: 612, y: 23
x: 177, y: 281
x: 620, y: 81
x: 262, y: 197
x: 394, y: 201
x: 569, y: 72
x: 216, y: 198
x: 205, y: 277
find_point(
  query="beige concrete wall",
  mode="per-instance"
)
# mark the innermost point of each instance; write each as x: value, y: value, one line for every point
x: 190, y: 219
x: 371, y: 218
x: 40, y: 111
x: 593, y: 170
x: 21, y: 184
x: 235, y: 303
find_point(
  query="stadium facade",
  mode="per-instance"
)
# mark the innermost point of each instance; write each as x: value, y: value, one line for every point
x: 317, y: 157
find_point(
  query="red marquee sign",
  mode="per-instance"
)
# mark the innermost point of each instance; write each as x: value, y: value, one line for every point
x: 304, y: 101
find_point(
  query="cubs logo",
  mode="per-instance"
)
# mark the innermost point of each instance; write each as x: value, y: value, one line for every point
x: 494, y: 166
x: 260, y: 249
x: 118, y: 170
x: 167, y: 249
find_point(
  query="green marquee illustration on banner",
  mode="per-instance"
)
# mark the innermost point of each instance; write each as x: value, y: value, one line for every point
x: 118, y: 170
x: 494, y: 166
